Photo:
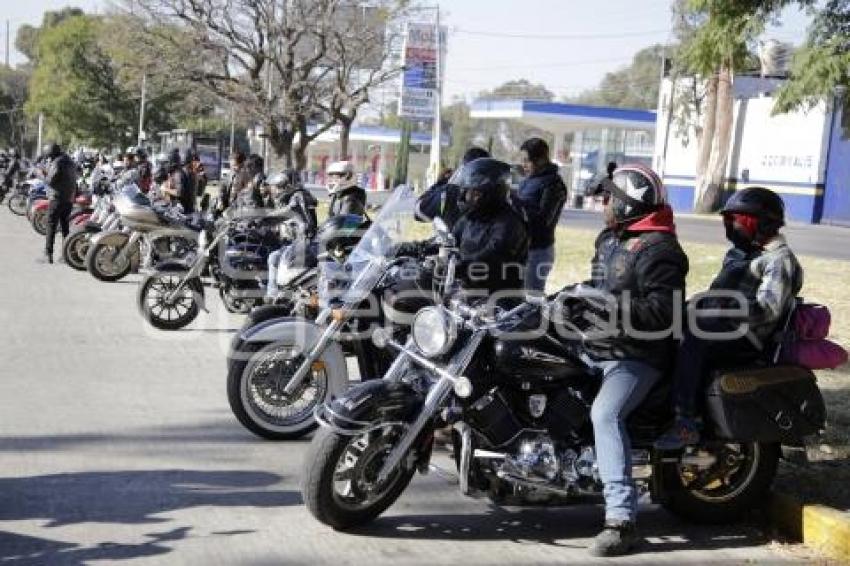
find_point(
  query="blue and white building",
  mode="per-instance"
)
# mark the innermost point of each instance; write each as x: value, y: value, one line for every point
x: 804, y: 156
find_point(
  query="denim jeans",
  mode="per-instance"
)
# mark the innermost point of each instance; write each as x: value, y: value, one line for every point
x: 274, y: 260
x: 538, y: 267
x: 625, y: 384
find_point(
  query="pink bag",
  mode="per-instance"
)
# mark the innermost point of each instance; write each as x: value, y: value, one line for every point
x: 811, y: 322
x: 814, y: 354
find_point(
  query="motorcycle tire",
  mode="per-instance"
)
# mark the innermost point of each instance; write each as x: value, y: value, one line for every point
x: 703, y: 506
x: 31, y: 207
x: 317, y: 487
x: 240, y: 373
x: 17, y: 204
x: 156, y: 283
x: 93, y: 266
x: 75, y: 249
x: 39, y: 221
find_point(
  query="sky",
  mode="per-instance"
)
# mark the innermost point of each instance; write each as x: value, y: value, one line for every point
x: 567, y: 45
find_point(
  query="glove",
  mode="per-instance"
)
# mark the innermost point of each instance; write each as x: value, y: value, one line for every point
x: 407, y: 249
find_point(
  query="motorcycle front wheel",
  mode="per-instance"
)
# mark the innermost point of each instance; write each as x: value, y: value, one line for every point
x: 736, y: 483
x: 164, y: 313
x: 102, y: 261
x: 17, y: 203
x: 256, y: 377
x: 75, y: 249
x: 339, y: 485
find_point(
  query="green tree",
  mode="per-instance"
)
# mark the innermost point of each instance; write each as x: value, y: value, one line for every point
x: 521, y: 89
x: 75, y: 86
x: 27, y: 37
x: 720, y: 44
x: 821, y: 68
x: 634, y: 86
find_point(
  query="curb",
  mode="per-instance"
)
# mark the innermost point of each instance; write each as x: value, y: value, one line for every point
x: 821, y: 528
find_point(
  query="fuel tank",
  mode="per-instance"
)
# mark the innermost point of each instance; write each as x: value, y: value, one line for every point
x: 541, y: 358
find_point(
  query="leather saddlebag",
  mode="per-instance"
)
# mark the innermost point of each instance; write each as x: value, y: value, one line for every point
x: 770, y: 404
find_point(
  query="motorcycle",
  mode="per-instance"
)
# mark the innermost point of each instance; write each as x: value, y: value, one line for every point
x: 234, y: 252
x: 40, y: 212
x: 520, y: 409
x: 150, y: 233
x: 18, y: 201
x: 103, y: 217
x: 279, y: 370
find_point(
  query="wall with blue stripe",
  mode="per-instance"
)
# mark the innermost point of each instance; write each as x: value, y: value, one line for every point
x: 798, y: 207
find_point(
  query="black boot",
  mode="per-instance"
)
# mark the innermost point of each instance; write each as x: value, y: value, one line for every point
x: 46, y: 258
x: 616, y: 539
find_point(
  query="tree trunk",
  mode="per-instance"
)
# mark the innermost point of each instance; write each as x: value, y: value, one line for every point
x: 706, y: 135
x: 344, y: 135
x: 300, y: 151
x: 714, y: 175
x: 281, y: 141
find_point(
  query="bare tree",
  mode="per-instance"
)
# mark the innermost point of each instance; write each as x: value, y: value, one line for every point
x: 278, y: 61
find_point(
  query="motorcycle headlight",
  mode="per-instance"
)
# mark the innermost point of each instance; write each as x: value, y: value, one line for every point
x: 434, y: 332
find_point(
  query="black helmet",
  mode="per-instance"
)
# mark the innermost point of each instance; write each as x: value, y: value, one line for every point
x: 52, y: 150
x: 636, y: 191
x: 484, y: 185
x: 141, y: 153
x: 287, y: 181
x: 474, y: 153
x: 760, y: 202
x: 338, y: 235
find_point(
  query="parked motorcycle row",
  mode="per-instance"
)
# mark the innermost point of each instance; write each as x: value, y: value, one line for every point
x: 428, y: 357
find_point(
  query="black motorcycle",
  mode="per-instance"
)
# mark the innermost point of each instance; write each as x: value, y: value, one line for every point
x: 520, y: 409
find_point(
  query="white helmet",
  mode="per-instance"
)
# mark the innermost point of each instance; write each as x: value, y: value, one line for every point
x: 341, y: 176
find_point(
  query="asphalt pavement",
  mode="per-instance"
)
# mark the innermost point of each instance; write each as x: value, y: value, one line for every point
x: 117, y: 445
x: 830, y: 242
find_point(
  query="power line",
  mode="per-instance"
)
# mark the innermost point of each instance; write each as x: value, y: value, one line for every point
x: 538, y: 36
x: 548, y: 65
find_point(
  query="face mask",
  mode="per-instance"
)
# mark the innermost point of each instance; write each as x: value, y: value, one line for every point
x: 740, y: 230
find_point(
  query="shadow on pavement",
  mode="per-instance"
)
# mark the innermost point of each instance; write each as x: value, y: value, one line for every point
x: 21, y: 549
x: 131, y: 497
x: 208, y: 432
x: 558, y: 527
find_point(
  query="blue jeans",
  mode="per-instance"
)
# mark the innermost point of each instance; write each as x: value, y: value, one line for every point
x: 274, y: 260
x: 539, y: 266
x: 625, y: 384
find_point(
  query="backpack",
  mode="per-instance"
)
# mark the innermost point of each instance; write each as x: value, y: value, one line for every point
x: 804, y: 341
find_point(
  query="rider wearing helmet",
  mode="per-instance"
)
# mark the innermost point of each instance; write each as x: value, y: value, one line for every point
x: 641, y: 269
x: 441, y: 199
x: 346, y: 196
x: 491, y: 234
x: 763, y: 269
x: 294, y: 201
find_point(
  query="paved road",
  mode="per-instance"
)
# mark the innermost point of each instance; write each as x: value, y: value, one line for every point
x: 116, y: 444
x: 831, y: 242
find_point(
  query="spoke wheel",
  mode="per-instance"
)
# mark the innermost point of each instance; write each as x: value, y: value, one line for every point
x: 160, y: 308
x: 267, y: 376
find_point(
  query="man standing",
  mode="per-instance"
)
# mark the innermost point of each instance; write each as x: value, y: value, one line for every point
x: 542, y: 196
x: 178, y: 185
x: 61, y: 183
x: 641, y: 267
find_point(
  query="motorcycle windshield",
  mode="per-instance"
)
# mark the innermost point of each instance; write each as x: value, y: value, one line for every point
x: 369, y: 259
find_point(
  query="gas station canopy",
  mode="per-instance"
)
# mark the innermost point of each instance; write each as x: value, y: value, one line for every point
x: 562, y: 117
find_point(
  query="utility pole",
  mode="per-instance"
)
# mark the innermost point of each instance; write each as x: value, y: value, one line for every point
x: 142, y: 110
x: 436, y: 131
x: 8, y: 35
x: 232, y: 127
x: 40, y: 133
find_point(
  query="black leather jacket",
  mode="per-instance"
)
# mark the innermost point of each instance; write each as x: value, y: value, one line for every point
x: 542, y: 196
x: 493, y: 249
x: 348, y: 201
x: 61, y: 179
x: 649, y: 268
